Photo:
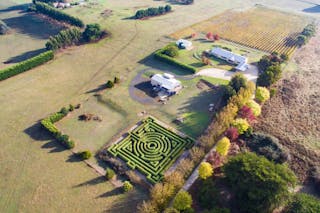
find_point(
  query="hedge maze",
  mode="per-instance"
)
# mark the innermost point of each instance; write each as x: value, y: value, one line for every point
x: 151, y: 149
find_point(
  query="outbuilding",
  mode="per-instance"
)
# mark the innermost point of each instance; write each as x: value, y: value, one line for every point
x: 231, y: 58
x: 184, y: 44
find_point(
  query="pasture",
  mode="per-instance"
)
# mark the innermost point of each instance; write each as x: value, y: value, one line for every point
x: 27, y: 37
x: 260, y: 28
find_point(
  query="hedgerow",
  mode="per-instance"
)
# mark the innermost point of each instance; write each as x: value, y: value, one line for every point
x: 162, y: 57
x: 64, y: 39
x: 26, y: 65
x: 152, y: 11
x: 57, y: 14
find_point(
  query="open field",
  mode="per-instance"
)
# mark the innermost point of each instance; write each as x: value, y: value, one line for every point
x: 27, y: 37
x: 37, y: 173
x: 293, y: 114
x: 259, y: 28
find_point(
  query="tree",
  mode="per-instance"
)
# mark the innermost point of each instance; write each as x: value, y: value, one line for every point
x: 302, y: 40
x: 127, y: 186
x: 171, y: 210
x: 175, y: 179
x: 215, y: 159
x: 161, y: 194
x: 216, y: 37
x: 232, y: 133
x: 227, y: 92
x: 92, y: 32
x: 182, y: 201
x: 205, y: 170
x: 147, y: 207
x: 259, y: 184
x: 262, y: 94
x: 168, y: 8
x: 255, y: 107
x: 270, y: 76
x: 302, y: 203
x: 210, y: 36
x: 109, y: 174
x: 241, y: 124
x: 223, y: 146
x: 238, y: 81
x: 246, y: 113
x: 171, y: 50
x: 85, y: 155
x: 110, y: 84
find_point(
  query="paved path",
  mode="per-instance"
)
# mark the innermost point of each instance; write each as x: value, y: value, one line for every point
x: 251, y: 73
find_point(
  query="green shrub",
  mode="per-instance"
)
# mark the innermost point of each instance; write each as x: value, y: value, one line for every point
x: 64, y: 111
x: 26, y: 65
x: 171, y: 50
x: 110, y: 84
x: 127, y: 186
x: 64, y: 39
x: 303, y: 203
x: 92, y: 32
x: 238, y: 81
x: 70, y: 144
x: 182, y: 201
x: 162, y: 57
x: 109, y: 174
x: 241, y: 124
x: 85, y: 155
x: 57, y: 14
x: 208, y: 195
x: 116, y: 80
x: 152, y: 11
x: 262, y: 94
x: 71, y: 107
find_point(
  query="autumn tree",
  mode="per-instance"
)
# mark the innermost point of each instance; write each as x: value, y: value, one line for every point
x: 241, y: 124
x: 262, y: 94
x: 223, y: 146
x: 210, y: 36
x: 205, y: 170
x: 255, y: 107
x: 232, y: 133
x: 246, y: 113
x: 182, y: 201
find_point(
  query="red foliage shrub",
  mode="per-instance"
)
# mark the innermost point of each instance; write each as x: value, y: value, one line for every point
x: 232, y: 133
x: 193, y: 35
x: 210, y: 36
x: 246, y: 113
x: 216, y: 37
x: 215, y: 159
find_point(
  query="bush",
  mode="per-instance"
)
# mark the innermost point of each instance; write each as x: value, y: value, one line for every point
x: 262, y: 94
x: 303, y: 203
x: 57, y: 14
x: 238, y: 81
x: 205, y: 170
x: 232, y: 133
x: 223, y: 146
x: 256, y: 188
x: 270, y: 76
x: 171, y: 50
x: 255, y: 107
x: 127, y: 186
x: 268, y: 146
x: 64, y: 111
x: 246, y: 113
x: 109, y: 174
x: 162, y: 57
x: 92, y: 32
x: 208, y: 195
x: 152, y: 11
x: 110, y: 84
x: 227, y: 92
x: 64, y: 38
x: 182, y: 201
x: 241, y: 124
x: 71, y: 107
x: 85, y: 155
x: 69, y: 144
x: 26, y: 65
x: 116, y: 80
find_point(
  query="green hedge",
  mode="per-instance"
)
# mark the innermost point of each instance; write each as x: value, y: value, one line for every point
x: 26, y: 65
x: 162, y: 57
x: 57, y: 14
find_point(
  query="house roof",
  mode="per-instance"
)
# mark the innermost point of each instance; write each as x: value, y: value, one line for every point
x: 228, y: 55
x: 166, y: 81
x: 184, y: 43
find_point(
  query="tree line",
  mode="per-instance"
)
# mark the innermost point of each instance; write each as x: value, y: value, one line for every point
x: 152, y: 11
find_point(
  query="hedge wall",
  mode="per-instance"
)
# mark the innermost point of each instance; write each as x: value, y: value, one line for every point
x: 162, y: 57
x: 26, y: 65
x: 57, y: 14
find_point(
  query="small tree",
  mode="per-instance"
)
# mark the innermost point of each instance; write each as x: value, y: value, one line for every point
x: 182, y: 201
x: 262, y: 94
x: 210, y: 36
x: 127, y: 186
x: 246, y: 113
x: 109, y: 174
x: 85, y: 155
x: 302, y: 203
x: 92, y: 32
x: 241, y: 124
x: 71, y: 107
x: 205, y: 170
x: 116, y: 80
x: 167, y: 8
x: 171, y: 50
x: 232, y: 133
x: 215, y: 159
x: 223, y: 146
x: 216, y: 37
x: 110, y: 84
x: 256, y: 108
x: 64, y: 111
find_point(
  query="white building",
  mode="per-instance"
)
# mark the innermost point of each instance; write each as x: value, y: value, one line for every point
x: 184, y: 44
x: 230, y: 57
x: 166, y: 83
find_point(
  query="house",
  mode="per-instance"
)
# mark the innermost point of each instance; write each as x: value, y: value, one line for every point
x: 231, y: 58
x: 165, y: 83
x: 184, y: 44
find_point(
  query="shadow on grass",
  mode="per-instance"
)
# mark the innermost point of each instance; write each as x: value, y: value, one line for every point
x: 111, y: 193
x: 150, y: 61
x: 98, y: 89
x: 92, y: 182
x: 73, y: 158
x: 33, y: 26
x: 37, y: 132
x: 146, y: 88
x: 24, y: 56
x: 197, y: 64
x: 54, y: 146
x: 15, y: 7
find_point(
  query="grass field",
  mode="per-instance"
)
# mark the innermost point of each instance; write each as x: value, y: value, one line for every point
x: 36, y: 173
x: 27, y: 37
x: 259, y: 28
